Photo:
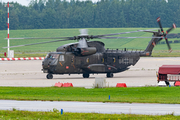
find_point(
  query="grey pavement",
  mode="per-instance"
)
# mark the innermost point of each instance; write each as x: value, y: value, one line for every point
x: 92, y: 107
x: 29, y: 74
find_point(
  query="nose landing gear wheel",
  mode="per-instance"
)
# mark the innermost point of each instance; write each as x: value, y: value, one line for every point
x: 49, y: 76
x: 109, y: 75
x: 85, y: 75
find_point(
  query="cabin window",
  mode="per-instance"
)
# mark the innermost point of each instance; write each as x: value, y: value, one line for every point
x: 61, y: 58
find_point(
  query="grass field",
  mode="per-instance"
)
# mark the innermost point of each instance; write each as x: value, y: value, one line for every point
x: 138, y: 95
x: 27, y: 115
x: 140, y: 43
x: 128, y: 95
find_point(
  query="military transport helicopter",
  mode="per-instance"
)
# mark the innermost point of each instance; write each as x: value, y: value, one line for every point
x: 88, y: 57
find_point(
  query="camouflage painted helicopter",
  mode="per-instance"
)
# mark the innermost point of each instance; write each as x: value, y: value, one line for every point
x: 88, y: 57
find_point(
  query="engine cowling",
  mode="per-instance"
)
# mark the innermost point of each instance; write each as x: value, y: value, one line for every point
x: 84, y: 51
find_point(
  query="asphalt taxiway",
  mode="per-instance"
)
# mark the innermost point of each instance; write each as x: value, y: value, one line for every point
x: 28, y: 73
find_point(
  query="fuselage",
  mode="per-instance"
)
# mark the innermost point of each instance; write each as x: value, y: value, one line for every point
x: 112, y: 61
x: 69, y: 60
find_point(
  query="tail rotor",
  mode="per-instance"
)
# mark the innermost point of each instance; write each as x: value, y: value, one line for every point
x: 165, y: 34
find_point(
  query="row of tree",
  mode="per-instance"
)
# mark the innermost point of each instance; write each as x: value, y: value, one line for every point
x: 45, y: 14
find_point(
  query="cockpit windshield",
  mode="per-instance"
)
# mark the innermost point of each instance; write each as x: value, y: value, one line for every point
x: 52, y: 55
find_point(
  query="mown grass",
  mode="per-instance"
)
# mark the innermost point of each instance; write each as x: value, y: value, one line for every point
x: 134, y: 94
x: 128, y: 95
x: 7, y: 114
x: 165, y: 53
x: 21, y: 115
x: 140, y: 43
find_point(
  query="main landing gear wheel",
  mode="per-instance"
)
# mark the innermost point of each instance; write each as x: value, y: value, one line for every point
x: 109, y: 75
x: 85, y: 75
x: 49, y: 76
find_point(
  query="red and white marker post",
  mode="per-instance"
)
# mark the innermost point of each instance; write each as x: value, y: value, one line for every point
x: 28, y: 58
x: 8, y: 27
x: 8, y: 5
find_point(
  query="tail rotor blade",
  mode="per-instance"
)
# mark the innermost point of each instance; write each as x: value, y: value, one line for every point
x: 169, y: 47
x: 173, y: 27
x: 159, y: 22
x: 165, y: 34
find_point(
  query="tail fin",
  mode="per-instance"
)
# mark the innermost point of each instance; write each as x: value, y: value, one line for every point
x: 158, y: 36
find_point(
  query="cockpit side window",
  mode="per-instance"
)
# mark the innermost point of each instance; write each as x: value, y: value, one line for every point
x: 55, y: 56
x: 61, y: 58
x: 47, y: 56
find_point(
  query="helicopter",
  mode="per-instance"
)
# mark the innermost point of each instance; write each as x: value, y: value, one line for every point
x: 90, y: 57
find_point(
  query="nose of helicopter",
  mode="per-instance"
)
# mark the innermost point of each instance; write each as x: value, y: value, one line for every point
x: 45, y: 65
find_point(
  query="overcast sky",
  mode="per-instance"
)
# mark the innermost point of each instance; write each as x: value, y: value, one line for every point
x: 22, y: 2
x: 26, y: 2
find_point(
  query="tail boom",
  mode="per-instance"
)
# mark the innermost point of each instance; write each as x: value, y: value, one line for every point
x: 152, y: 43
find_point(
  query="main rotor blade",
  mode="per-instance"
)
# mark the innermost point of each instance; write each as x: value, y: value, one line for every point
x: 70, y: 38
x: 36, y: 43
x: 97, y: 36
x: 126, y: 37
x: 159, y: 22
